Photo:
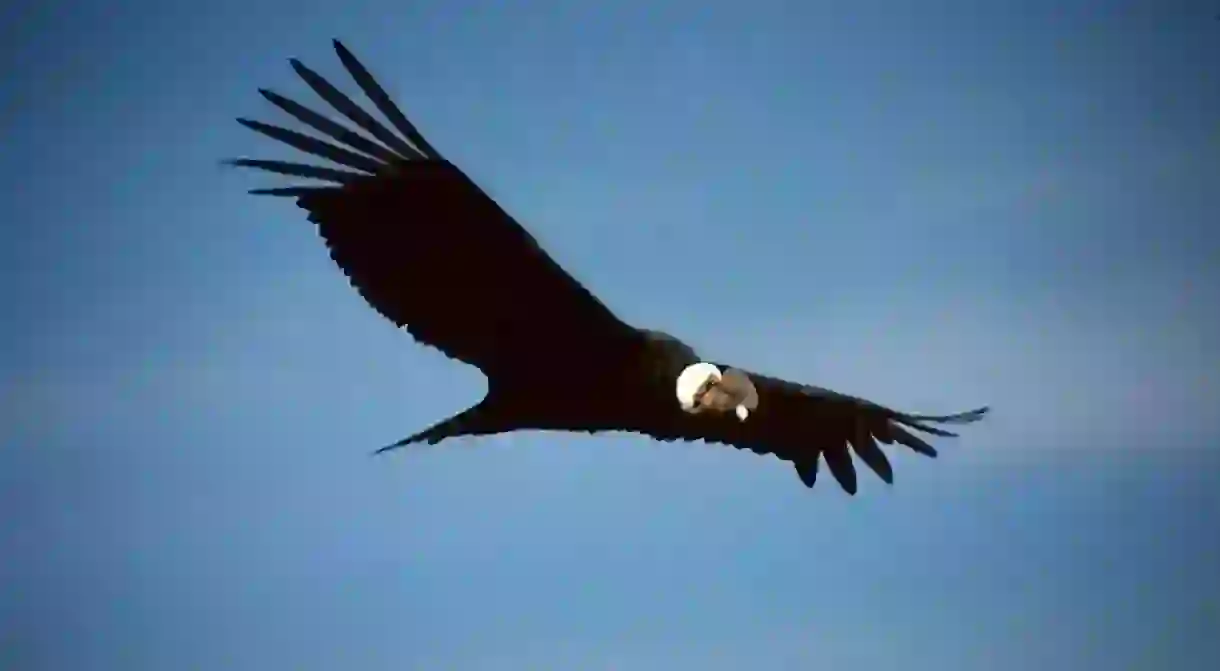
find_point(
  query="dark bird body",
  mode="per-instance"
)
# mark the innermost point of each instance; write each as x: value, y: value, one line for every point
x: 433, y: 253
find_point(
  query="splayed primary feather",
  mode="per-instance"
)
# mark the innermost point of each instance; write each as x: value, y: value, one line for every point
x: 368, y: 156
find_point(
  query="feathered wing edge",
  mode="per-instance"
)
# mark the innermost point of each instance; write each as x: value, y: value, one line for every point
x: 363, y: 155
x: 924, y: 423
x: 887, y: 428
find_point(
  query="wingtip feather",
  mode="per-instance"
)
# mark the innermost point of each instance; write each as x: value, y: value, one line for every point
x: 904, y: 437
x: 384, y: 103
x: 344, y: 105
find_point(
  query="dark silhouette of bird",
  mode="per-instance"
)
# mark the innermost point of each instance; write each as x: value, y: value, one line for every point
x: 434, y: 254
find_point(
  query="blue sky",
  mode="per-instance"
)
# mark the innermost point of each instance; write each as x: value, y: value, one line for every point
x: 972, y: 202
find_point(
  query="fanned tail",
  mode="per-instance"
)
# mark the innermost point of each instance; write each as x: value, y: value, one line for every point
x: 368, y: 157
x: 472, y: 421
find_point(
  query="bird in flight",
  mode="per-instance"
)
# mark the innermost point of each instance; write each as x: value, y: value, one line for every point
x: 433, y: 253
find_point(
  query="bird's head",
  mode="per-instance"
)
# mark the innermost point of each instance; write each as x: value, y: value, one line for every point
x: 703, y: 388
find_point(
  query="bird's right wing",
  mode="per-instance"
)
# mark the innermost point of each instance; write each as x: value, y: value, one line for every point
x: 800, y: 423
x: 424, y: 245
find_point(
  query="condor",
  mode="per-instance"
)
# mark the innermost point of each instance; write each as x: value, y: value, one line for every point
x: 433, y: 253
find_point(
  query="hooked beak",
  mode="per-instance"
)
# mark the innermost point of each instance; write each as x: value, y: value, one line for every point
x: 716, y: 396
x: 701, y: 398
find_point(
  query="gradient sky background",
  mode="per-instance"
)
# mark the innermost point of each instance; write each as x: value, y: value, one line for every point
x: 971, y: 202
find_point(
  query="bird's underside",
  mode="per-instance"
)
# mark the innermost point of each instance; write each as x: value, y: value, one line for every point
x: 434, y: 254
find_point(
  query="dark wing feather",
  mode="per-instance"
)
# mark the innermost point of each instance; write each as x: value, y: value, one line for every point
x: 799, y: 423
x: 315, y: 146
x: 425, y: 246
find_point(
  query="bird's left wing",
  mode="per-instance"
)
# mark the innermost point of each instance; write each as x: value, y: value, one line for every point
x: 799, y: 423
x: 425, y: 246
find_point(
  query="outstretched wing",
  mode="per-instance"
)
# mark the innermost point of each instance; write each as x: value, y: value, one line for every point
x: 798, y: 423
x: 423, y: 244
